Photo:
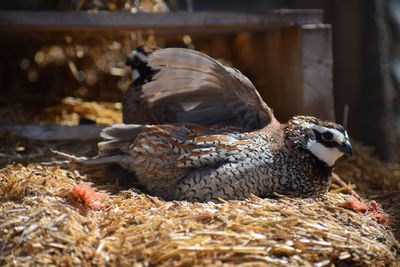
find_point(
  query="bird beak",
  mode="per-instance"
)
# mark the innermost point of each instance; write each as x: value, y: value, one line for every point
x: 346, y: 148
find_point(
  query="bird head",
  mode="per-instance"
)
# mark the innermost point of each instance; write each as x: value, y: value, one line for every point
x: 326, y: 140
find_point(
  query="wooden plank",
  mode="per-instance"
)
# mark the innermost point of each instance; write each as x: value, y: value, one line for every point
x: 317, y: 64
x: 291, y: 68
x: 272, y: 60
x: 53, y: 20
x: 55, y: 132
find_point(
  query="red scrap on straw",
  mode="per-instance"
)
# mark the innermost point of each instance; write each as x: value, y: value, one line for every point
x: 371, y: 208
x: 87, y: 195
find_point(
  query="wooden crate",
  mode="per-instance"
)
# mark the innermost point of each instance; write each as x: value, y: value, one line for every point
x: 286, y: 53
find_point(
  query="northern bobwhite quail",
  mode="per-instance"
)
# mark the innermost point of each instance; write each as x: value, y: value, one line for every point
x: 187, y: 161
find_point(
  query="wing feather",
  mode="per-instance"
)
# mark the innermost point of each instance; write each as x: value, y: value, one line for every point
x: 222, y: 94
x: 190, y: 75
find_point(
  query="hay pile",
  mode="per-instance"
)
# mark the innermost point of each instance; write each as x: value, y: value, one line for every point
x: 41, y: 224
x: 47, y: 216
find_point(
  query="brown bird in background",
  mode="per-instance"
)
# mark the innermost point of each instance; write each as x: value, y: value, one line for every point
x: 197, y: 130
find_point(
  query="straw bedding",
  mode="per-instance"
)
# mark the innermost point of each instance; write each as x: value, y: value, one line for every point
x: 41, y: 224
x: 76, y: 216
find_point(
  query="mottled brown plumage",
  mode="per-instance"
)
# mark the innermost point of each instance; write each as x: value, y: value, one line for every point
x: 190, y: 158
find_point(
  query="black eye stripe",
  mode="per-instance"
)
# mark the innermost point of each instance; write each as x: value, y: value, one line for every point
x: 327, y: 135
x: 326, y: 143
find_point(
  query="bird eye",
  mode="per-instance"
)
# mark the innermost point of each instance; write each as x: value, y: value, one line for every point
x: 327, y: 136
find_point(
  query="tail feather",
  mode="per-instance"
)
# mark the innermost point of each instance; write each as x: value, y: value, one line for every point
x: 120, y: 137
x: 121, y: 132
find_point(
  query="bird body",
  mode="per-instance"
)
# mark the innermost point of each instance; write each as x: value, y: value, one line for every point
x: 205, y: 134
x: 197, y: 163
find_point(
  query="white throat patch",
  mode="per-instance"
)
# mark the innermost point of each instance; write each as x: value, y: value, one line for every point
x: 326, y: 154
